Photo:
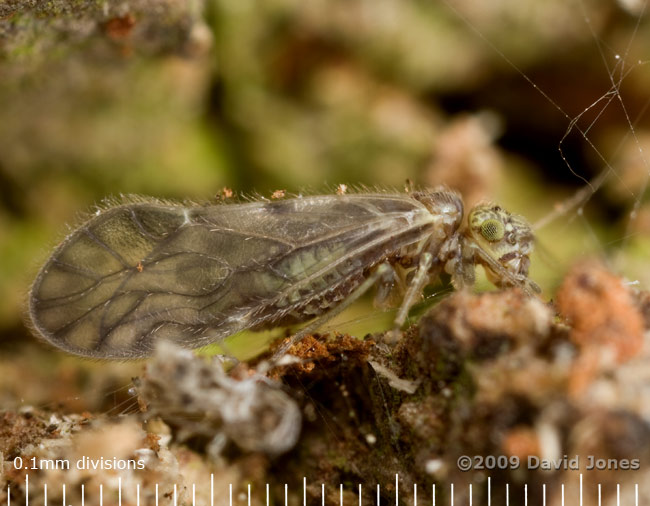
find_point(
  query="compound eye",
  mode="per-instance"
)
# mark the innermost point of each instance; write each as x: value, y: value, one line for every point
x: 493, y: 230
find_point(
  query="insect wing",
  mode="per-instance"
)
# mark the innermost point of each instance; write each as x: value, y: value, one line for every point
x: 145, y: 271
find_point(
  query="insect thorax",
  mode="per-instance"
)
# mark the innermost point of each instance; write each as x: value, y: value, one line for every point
x: 427, y: 228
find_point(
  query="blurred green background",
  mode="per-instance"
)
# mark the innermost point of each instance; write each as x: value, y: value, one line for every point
x: 179, y: 99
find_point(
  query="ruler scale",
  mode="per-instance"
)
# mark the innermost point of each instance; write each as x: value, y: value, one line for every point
x: 580, y: 489
x: 396, y: 489
x: 600, y: 502
x: 575, y: 497
x: 489, y: 491
x: 526, y: 495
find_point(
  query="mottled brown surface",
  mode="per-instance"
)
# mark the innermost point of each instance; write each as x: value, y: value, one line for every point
x: 19, y: 430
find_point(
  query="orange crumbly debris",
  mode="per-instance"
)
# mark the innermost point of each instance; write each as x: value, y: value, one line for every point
x: 603, y: 317
x: 521, y: 442
x: 312, y: 349
x: 152, y: 441
x: 120, y: 27
x: 601, y: 311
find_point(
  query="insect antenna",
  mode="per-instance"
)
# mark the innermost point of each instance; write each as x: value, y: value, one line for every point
x: 578, y: 200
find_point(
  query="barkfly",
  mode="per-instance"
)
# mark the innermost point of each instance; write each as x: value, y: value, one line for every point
x: 146, y: 270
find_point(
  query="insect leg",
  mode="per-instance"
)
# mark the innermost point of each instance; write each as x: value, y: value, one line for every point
x: 388, y: 283
x: 529, y: 286
x: 415, y: 288
x: 382, y: 270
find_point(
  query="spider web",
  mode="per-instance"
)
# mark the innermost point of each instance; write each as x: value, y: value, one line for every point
x: 623, y: 168
x: 618, y: 66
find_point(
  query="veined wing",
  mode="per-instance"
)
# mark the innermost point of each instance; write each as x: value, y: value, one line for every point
x: 144, y: 271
